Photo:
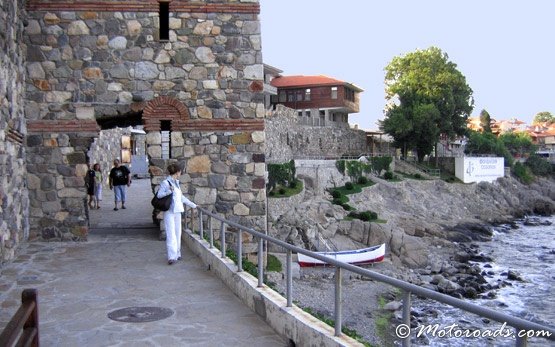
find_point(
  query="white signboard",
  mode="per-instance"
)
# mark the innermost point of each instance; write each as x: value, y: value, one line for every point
x: 479, y: 169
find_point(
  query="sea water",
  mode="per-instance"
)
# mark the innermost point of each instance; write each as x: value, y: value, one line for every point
x: 530, y: 252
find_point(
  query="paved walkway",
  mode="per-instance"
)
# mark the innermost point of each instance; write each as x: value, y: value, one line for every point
x: 123, y: 265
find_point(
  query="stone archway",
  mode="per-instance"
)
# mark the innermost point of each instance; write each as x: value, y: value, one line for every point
x: 165, y: 108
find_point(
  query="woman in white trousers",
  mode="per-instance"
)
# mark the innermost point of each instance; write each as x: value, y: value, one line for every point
x: 172, y: 217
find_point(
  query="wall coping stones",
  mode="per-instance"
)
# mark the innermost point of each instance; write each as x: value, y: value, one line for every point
x: 247, y: 6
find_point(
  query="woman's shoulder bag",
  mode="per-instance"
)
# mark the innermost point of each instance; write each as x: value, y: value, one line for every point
x: 164, y: 203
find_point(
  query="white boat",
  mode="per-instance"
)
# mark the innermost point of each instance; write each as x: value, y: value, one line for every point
x: 363, y: 256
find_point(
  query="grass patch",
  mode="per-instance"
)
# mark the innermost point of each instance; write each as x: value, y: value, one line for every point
x: 281, y: 191
x: 356, y: 188
x: 382, y: 320
x: 416, y: 176
x: 273, y: 264
x: 449, y: 178
x: 339, y: 197
x: 249, y: 266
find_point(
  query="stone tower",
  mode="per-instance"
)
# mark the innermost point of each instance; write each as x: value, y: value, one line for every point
x: 187, y: 67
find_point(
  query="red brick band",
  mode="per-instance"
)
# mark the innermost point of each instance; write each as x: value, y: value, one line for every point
x: 62, y: 126
x: 225, y: 124
x: 140, y: 6
x: 207, y: 125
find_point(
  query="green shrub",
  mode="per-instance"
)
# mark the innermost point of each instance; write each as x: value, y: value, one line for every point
x: 337, y: 201
x: 336, y: 194
x: 539, y: 166
x: 280, y: 174
x: 281, y: 191
x: 362, y: 180
x: 340, y: 165
x: 347, y: 207
x: 380, y: 164
x: 272, y: 193
x: 365, y: 216
x: 417, y: 176
x: 293, y: 184
x: 349, y: 186
x: 522, y: 173
x: 388, y: 175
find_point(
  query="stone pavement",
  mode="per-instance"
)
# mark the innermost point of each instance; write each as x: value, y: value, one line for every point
x: 123, y: 265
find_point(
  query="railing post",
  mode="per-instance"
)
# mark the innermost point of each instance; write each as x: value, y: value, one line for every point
x: 239, y: 250
x: 520, y: 341
x: 289, y: 278
x: 200, y: 226
x: 192, y: 219
x: 406, y: 316
x: 29, y: 296
x: 338, y: 306
x: 23, y: 327
x: 222, y: 238
x: 211, y: 232
x: 185, y: 217
x: 260, y: 262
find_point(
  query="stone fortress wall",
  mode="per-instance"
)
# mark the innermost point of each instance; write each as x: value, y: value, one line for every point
x: 287, y: 138
x: 14, y: 201
x: 66, y: 65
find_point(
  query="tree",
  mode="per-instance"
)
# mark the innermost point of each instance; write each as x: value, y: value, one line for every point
x: 539, y: 166
x: 518, y: 144
x: 485, y: 121
x: 544, y: 117
x: 487, y: 143
x: 433, y: 100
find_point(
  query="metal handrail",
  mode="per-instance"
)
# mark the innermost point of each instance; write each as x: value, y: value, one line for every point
x: 407, y: 288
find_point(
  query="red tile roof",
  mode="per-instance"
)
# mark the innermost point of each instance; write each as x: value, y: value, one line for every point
x: 308, y: 81
x: 546, y: 133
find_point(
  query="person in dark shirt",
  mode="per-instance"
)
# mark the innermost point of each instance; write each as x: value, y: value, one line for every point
x: 119, y: 178
x: 90, y: 184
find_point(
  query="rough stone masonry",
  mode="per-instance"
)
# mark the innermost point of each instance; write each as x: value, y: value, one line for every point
x: 71, y: 63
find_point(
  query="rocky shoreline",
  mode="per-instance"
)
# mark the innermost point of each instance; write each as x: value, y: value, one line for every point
x: 431, y: 234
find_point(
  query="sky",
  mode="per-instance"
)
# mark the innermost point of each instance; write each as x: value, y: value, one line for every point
x: 504, y: 48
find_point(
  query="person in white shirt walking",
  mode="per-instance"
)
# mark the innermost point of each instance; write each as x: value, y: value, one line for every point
x: 172, y: 217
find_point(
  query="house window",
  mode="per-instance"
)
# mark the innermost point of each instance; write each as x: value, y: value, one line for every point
x: 299, y: 95
x: 165, y: 127
x: 282, y: 96
x: 334, y: 92
x: 308, y: 114
x: 300, y: 113
x: 164, y: 20
x: 307, y: 94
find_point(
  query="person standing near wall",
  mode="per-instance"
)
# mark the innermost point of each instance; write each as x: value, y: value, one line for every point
x: 98, y: 180
x: 119, y: 178
x: 90, y: 184
x: 172, y: 217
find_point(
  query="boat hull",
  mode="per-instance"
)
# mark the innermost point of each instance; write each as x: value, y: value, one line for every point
x: 364, y: 256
